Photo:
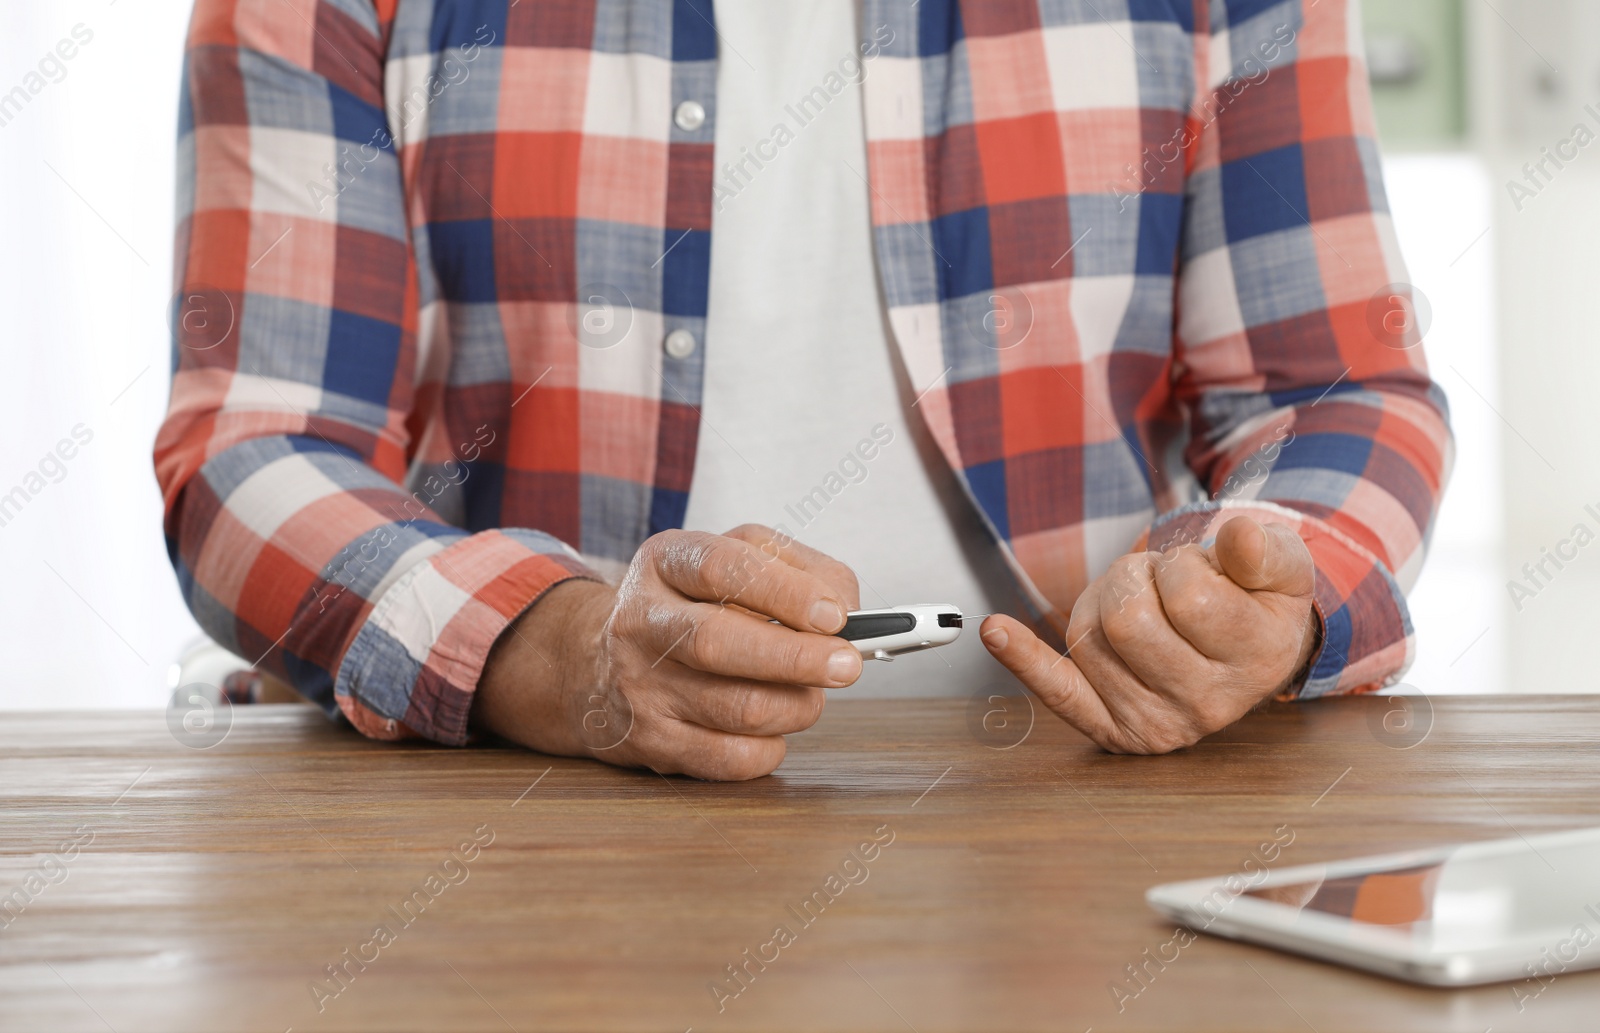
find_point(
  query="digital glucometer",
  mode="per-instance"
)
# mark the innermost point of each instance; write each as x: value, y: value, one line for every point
x: 886, y: 634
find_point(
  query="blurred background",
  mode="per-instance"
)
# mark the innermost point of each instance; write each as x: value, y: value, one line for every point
x: 1471, y: 97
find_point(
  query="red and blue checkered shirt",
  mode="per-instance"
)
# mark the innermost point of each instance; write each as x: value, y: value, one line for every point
x: 1136, y: 252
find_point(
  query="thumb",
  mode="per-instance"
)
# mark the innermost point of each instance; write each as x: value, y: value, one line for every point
x: 1265, y: 557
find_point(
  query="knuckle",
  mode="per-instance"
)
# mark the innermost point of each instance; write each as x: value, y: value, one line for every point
x: 1177, y: 559
x: 1161, y: 562
x: 721, y: 566
x: 789, y: 593
x: 1081, y: 623
x: 750, y: 709
x: 665, y: 544
x: 837, y: 575
x: 679, y: 555
x: 1086, y: 640
x: 645, y: 746
x: 647, y: 559
x: 1176, y: 734
x: 745, y: 757
x: 747, y: 570
x: 850, y: 586
x: 653, y: 629
x: 1053, y: 690
x: 1191, y: 604
x: 1168, y: 743
x: 750, y: 532
x: 1159, y: 740
x: 1160, y: 732
x: 795, y: 664
x: 1210, y: 714
x: 699, y: 647
x: 811, y: 705
x: 1134, y: 621
x: 1126, y: 566
x: 1047, y: 678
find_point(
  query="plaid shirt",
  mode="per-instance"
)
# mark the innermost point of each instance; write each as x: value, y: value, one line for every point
x: 1136, y: 253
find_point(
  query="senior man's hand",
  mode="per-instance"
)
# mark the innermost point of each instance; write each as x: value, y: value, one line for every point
x: 679, y: 668
x: 1167, y: 648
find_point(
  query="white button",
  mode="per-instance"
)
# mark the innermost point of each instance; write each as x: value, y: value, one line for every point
x: 690, y: 116
x: 680, y: 344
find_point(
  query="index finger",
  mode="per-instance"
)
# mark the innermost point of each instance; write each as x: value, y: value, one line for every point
x: 1051, y: 676
x: 797, y: 554
x: 715, y: 568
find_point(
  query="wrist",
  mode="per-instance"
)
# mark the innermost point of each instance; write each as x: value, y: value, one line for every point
x: 1310, y: 647
x: 545, y: 658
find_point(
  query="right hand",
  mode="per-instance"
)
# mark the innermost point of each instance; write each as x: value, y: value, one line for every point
x: 678, y: 669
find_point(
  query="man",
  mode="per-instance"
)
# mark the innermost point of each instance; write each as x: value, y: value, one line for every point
x: 1095, y: 304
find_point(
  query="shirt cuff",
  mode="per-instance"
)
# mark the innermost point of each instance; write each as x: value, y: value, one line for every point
x: 416, y: 660
x: 1367, y: 638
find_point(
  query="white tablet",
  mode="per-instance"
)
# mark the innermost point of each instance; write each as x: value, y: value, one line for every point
x: 1509, y: 909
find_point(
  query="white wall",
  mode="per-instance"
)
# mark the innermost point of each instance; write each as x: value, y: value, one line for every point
x: 1550, y: 285
x: 1441, y: 205
x: 1537, y: 71
x: 90, y: 615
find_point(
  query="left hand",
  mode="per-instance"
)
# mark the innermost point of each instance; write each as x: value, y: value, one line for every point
x: 1166, y: 648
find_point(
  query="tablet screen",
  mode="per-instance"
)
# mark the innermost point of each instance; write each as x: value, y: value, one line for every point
x: 1478, y: 896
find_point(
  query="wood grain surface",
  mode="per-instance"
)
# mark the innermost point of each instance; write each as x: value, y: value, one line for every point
x: 170, y: 888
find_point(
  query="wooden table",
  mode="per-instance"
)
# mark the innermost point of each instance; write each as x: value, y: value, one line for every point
x: 209, y: 889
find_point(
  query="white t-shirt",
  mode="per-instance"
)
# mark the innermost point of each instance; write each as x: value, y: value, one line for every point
x: 800, y: 369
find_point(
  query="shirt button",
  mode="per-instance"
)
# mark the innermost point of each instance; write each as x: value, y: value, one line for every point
x: 680, y: 344
x: 690, y: 116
